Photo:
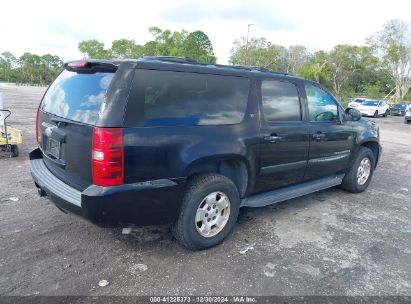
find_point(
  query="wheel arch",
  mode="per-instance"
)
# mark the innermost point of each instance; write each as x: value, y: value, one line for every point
x: 374, y: 146
x: 235, y: 167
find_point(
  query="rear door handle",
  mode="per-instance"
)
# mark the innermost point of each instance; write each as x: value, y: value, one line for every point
x: 318, y: 136
x: 273, y: 138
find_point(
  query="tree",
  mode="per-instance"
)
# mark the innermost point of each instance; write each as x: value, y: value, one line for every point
x: 198, y: 46
x: 93, y: 49
x: 258, y: 52
x: 30, y: 72
x: 373, y: 91
x: 368, y: 72
x: 297, y: 56
x: 29, y: 68
x: 7, y: 62
x: 195, y: 45
x: 343, y: 62
x: 316, y: 68
x: 152, y: 48
x: 168, y: 43
x: 393, y: 46
x: 49, y: 67
x: 124, y: 48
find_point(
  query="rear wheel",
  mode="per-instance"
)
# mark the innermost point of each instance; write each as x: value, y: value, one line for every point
x: 359, y: 176
x: 209, y: 212
x: 386, y: 113
x: 14, y: 150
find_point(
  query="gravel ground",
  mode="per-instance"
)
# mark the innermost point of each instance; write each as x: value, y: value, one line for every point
x: 328, y: 243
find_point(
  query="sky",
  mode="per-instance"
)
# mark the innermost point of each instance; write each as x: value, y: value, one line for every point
x: 56, y: 27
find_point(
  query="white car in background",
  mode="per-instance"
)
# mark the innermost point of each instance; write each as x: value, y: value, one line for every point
x: 374, y: 108
x: 407, y: 116
x: 355, y: 102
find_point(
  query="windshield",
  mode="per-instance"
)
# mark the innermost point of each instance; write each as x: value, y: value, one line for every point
x: 399, y: 106
x: 76, y: 96
x: 370, y: 103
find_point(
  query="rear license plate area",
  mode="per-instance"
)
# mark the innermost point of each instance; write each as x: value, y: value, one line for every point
x: 54, y: 148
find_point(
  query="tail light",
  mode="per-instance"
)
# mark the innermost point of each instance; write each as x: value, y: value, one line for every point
x: 108, y: 157
x: 38, y: 136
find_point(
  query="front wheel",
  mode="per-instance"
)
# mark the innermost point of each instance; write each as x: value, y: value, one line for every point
x: 386, y: 113
x: 360, y: 174
x: 375, y: 114
x: 208, y: 213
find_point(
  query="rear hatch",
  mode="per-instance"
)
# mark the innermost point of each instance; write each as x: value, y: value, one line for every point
x: 67, y: 114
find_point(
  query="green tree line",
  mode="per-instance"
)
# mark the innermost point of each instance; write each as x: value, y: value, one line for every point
x: 195, y: 45
x: 29, y: 68
x: 372, y: 71
x: 40, y: 70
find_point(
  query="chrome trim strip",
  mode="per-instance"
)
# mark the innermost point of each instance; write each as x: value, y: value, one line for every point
x: 328, y: 159
x: 283, y: 167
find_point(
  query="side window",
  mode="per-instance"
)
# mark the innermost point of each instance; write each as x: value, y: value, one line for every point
x: 163, y: 98
x: 321, y: 106
x: 280, y: 101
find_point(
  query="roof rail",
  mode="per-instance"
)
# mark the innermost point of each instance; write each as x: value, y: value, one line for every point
x: 193, y: 61
x: 172, y: 59
x: 252, y: 68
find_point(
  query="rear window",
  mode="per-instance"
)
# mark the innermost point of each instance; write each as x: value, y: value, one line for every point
x: 162, y: 98
x: 370, y: 103
x: 77, y: 96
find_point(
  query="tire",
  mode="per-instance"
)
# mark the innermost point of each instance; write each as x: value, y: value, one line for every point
x: 351, y: 181
x: 386, y: 113
x: 375, y: 114
x: 187, y: 230
x: 406, y: 121
x: 14, y: 150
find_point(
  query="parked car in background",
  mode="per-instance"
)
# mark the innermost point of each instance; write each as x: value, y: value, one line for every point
x: 374, y: 108
x: 165, y: 140
x: 398, y: 109
x: 407, y: 116
x: 355, y: 102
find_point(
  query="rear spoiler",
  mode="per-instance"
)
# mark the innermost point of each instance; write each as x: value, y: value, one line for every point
x: 90, y: 67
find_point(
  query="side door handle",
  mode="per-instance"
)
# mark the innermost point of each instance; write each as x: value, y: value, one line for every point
x: 273, y: 138
x: 318, y: 136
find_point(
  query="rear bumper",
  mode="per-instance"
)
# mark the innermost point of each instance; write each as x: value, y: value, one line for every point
x: 140, y: 204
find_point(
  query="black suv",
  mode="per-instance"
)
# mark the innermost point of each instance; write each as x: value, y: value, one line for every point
x: 168, y: 140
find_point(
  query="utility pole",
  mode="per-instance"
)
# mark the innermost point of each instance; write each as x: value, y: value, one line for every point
x: 246, y: 45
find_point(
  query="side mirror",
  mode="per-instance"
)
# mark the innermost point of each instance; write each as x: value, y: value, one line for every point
x: 353, y: 114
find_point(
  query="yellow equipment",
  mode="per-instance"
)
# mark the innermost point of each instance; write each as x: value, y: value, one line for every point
x: 10, y: 137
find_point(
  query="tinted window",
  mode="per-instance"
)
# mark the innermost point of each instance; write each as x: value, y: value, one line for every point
x: 280, y: 101
x: 162, y: 98
x: 76, y: 96
x: 321, y: 106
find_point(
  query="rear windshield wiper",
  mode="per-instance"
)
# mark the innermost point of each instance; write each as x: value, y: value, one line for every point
x: 67, y: 121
